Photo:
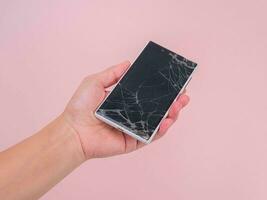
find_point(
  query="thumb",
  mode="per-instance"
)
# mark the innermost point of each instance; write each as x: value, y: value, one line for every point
x: 112, y: 74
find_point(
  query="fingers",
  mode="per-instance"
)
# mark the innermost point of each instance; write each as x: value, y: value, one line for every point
x: 177, y: 106
x: 107, y: 93
x: 130, y: 143
x: 184, y: 99
x: 165, y: 125
x: 112, y: 74
x: 181, y: 102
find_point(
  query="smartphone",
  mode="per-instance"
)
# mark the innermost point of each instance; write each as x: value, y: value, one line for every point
x: 142, y: 97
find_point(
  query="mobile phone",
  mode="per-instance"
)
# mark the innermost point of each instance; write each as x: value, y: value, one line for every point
x: 142, y: 97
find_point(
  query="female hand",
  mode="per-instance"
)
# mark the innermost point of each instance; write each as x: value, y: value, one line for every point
x: 97, y: 138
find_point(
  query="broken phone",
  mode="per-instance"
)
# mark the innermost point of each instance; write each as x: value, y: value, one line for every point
x: 142, y: 97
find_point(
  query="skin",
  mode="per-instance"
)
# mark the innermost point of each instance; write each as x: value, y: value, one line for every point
x: 32, y: 167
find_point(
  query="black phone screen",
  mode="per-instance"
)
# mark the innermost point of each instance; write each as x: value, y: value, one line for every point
x: 142, y: 97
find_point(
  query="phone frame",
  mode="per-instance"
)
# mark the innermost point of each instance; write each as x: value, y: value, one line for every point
x: 124, y: 130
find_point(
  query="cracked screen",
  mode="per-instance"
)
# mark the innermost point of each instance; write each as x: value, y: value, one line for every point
x: 144, y: 94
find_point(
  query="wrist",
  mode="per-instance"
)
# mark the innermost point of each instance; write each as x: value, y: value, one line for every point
x: 68, y: 140
x: 44, y: 159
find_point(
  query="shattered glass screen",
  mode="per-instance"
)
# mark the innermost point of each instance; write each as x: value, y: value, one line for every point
x: 142, y: 97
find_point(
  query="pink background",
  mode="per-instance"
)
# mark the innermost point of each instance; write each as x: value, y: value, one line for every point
x: 217, y: 149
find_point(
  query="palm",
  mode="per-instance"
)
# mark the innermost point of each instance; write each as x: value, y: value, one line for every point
x: 97, y: 138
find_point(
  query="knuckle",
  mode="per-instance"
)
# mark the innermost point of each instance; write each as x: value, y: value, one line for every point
x: 87, y: 78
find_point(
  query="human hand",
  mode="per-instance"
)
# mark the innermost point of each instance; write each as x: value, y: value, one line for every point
x: 97, y: 138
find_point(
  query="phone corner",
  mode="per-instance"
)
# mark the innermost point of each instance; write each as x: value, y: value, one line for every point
x: 149, y: 140
x: 96, y: 114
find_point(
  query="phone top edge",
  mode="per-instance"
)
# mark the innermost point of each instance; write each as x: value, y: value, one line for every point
x: 152, y: 42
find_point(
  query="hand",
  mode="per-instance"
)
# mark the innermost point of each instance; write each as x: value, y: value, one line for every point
x: 97, y: 138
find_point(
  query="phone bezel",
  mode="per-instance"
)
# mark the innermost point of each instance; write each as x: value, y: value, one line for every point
x: 124, y: 130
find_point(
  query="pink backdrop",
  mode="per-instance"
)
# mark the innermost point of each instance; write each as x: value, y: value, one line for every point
x: 217, y: 149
